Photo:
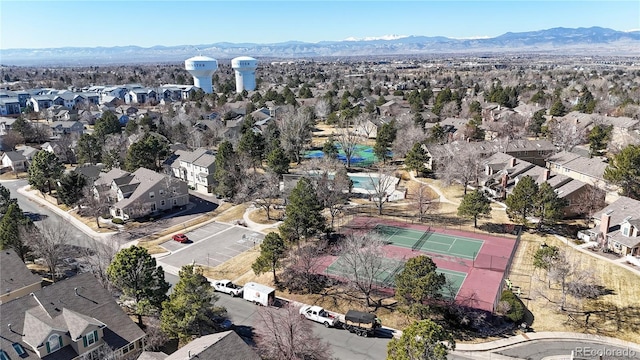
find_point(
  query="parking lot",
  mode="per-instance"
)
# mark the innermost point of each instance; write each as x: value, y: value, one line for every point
x: 210, y: 245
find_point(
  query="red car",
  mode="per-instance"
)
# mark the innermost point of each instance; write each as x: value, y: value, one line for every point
x: 182, y: 238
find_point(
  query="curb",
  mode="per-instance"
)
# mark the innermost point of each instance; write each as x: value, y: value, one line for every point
x: 545, y: 336
x: 101, y: 237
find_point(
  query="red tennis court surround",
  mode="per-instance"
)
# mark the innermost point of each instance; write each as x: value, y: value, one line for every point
x: 482, y: 287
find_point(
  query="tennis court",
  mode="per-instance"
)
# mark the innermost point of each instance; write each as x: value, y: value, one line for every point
x: 392, y: 267
x: 429, y: 241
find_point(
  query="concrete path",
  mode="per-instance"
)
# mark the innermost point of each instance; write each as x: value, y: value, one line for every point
x: 442, y: 198
x: 254, y: 225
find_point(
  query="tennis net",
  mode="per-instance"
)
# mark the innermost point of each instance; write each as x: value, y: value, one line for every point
x: 422, y: 240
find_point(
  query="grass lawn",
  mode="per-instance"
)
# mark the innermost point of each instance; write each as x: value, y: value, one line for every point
x: 616, y: 314
x: 10, y: 175
x: 260, y: 216
x: 231, y: 213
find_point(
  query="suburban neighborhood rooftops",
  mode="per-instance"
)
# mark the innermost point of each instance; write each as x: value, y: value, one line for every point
x: 14, y: 274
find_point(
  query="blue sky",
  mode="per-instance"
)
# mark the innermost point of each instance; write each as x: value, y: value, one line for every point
x: 51, y: 24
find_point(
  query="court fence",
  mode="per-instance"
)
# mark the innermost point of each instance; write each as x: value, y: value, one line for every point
x: 507, y: 269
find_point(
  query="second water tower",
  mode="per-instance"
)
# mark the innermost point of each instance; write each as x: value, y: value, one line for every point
x: 245, y: 68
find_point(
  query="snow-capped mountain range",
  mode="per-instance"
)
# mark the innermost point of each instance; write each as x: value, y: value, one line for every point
x: 592, y: 41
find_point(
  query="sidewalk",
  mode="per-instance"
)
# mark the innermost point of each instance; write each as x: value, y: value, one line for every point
x: 545, y: 335
x: 101, y: 237
x: 434, y: 188
x: 254, y: 225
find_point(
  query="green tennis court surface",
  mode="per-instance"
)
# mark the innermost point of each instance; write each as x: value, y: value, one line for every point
x: 456, y: 246
x: 385, y: 277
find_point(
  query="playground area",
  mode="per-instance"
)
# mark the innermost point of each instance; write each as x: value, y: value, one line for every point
x: 474, y: 264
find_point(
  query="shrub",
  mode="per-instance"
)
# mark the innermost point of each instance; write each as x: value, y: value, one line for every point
x: 106, y: 216
x: 514, y: 308
x: 117, y: 221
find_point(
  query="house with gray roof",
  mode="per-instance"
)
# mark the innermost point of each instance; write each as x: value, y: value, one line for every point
x: 141, y: 193
x: 16, y: 279
x: 502, y: 173
x: 60, y: 128
x: 617, y: 227
x: 5, y: 124
x: 223, y: 345
x: 9, y: 106
x: 575, y: 166
x: 74, y: 318
x: 41, y: 102
x: 532, y: 151
x: 196, y: 168
x: 14, y: 161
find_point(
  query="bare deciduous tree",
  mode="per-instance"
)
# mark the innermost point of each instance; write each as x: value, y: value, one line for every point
x: 363, y: 125
x: 348, y: 141
x: 424, y: 202
x: 382, y: 184
x: 322, y: 108
x: 11, y: 139
x: 48, y: 242
x: 407, y: 134
x: 295, y: 131
x: 590, y: 201
x: 362, y: 261
x: 93, y: 206
x: 262, y: 189
x: 283, y: 334
x: 463, y: 167
x: 566, y: 134
x: 96, y: 259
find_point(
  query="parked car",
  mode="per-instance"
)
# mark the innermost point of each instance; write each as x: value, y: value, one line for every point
x: 181, y: 238
x: 227, y: 287
x: 319, y: 315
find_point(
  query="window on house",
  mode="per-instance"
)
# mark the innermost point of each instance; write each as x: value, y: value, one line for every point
x: 152, y: 195
x: 175, y: 202
x: 3, y: 355
x: 18, y: 348
x: 162, y: 203
x: 161, y: 192
x: 90, y: 338
x: 54, y: 342
x: 625, y: 231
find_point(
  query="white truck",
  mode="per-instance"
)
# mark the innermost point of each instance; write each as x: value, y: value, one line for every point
x: 320, y: 315
x: 259, y: 294
x: 228, y: 287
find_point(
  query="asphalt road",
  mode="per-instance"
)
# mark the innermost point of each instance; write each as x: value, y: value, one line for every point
x: 344, y: 344
x: 584, y: 350
x: 37, y: 211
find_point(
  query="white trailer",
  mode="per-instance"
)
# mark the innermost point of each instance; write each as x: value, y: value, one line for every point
x: 259, y: 294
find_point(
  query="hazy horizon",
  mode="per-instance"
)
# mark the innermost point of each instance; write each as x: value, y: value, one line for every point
x: 62, y: 24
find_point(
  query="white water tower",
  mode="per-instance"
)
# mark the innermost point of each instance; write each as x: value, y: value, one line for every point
x: 202, y: 69
x: 245, y: 68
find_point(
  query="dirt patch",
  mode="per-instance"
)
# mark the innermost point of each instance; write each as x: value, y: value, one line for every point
x: 10, y: 175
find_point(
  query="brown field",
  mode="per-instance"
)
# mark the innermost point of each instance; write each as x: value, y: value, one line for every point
x: 616, y: 315
x: 260, y: 216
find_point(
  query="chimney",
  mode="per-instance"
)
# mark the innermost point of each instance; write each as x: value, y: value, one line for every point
x: 512, y: 162
x: 505, y: 177
x: 545, y: 175
x: 605, y: 223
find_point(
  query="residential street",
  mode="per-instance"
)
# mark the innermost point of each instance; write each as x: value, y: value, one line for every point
x: 35, y: 210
